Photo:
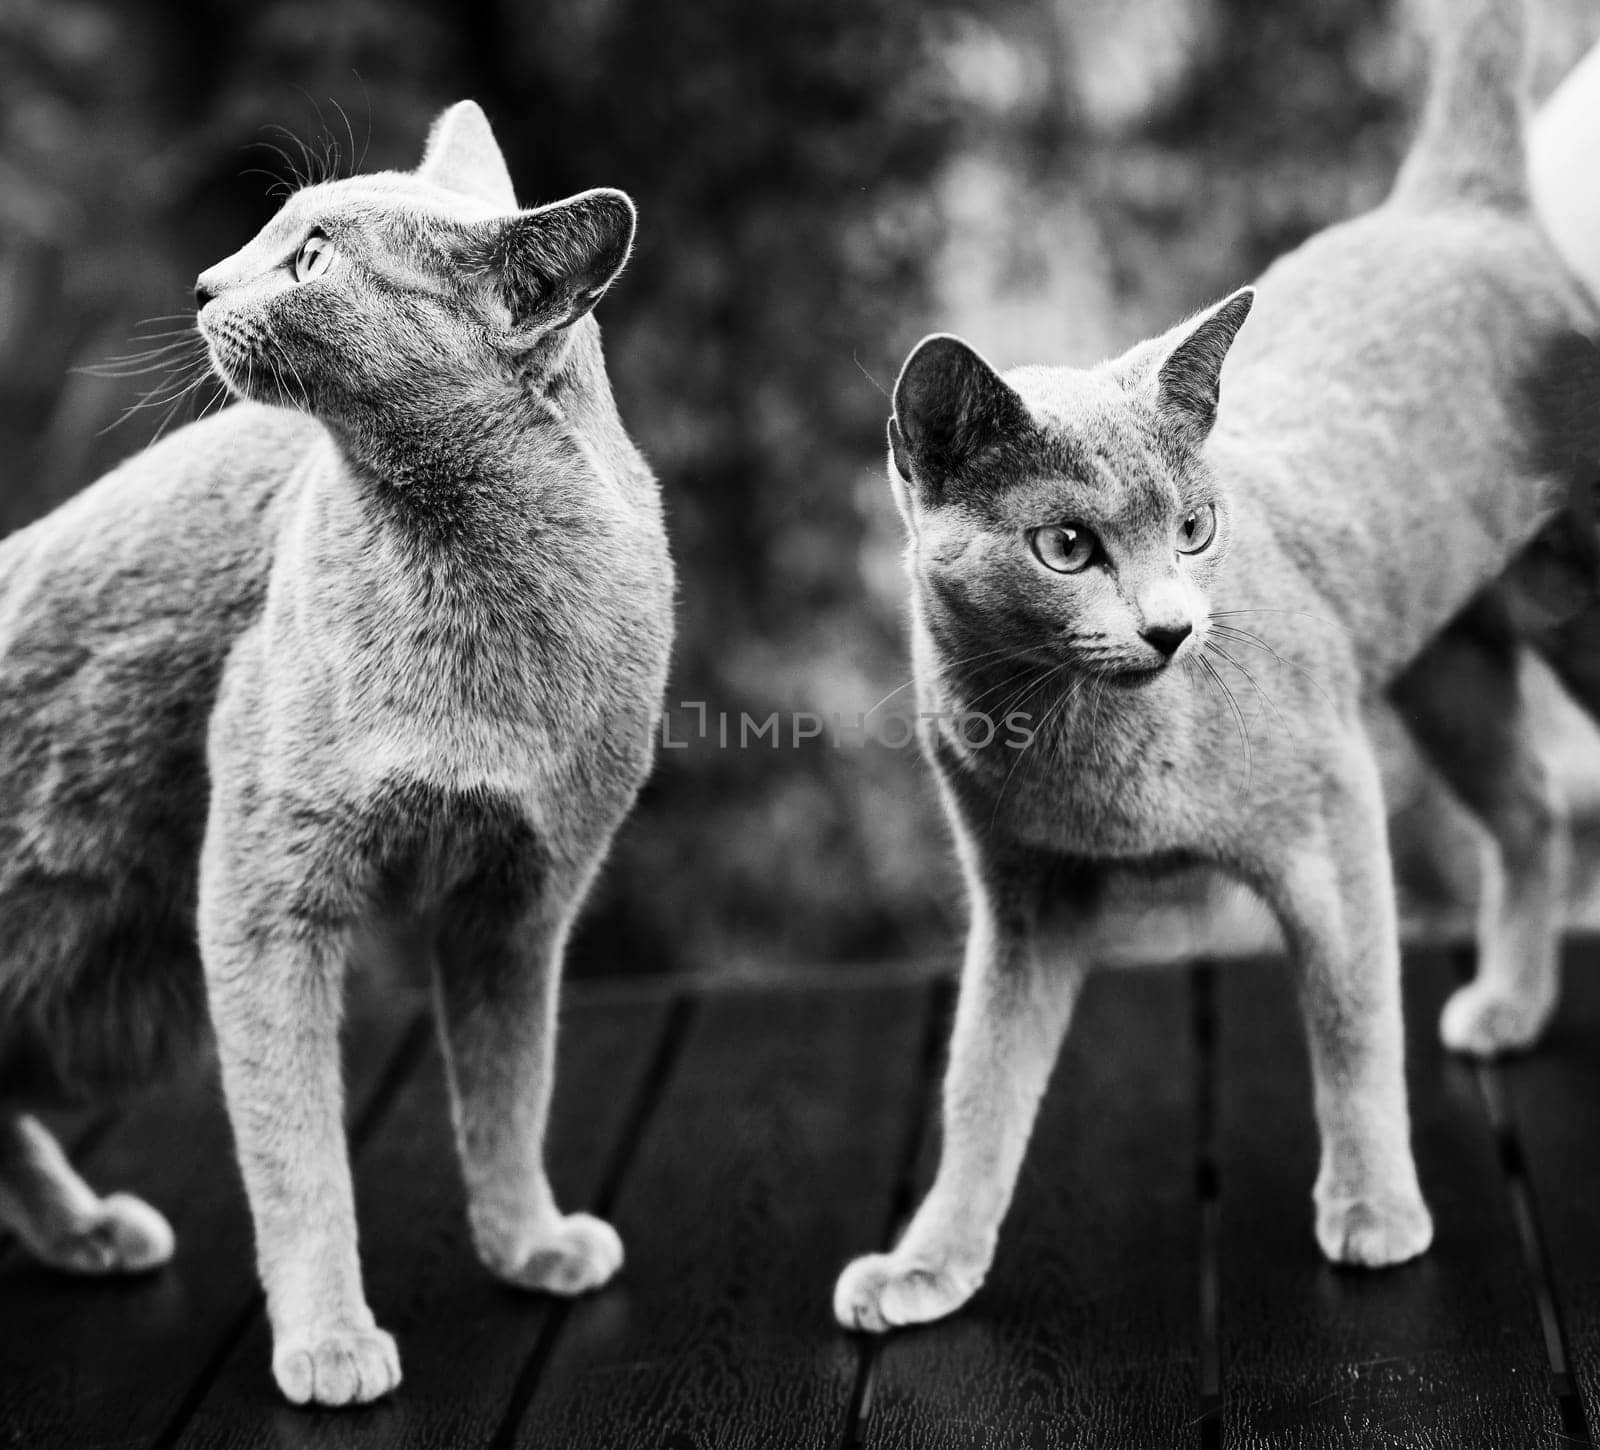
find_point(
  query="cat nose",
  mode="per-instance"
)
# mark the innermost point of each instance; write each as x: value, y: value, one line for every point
x: 202, y: 295
x: 1167, y: 638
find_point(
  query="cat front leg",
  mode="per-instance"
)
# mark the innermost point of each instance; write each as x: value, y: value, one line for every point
x: 1012, y: 1012
x: 1333, y: 892
x: 496, y: 982
x: 275, y: 983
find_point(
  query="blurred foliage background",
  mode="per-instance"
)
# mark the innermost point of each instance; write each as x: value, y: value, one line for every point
x: 820, y: 182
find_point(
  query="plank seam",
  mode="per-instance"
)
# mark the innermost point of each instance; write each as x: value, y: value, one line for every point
x: 646, y: 1100
x: 1490, y: 1082
x: 1208, y: 1201
x: 902, y: 1202
x: 1535, y: 1252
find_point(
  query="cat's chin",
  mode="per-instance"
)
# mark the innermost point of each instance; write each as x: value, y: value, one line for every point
x: 1138, y: 677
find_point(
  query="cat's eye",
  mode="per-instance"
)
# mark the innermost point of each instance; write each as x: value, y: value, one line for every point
x: 1066, y: 548
x: 315, y: 256
x: 1197, y: 530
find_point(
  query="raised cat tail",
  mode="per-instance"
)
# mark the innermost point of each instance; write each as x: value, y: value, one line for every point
x: 1471, y: 146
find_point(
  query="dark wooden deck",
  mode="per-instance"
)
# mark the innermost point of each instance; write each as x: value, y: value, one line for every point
x: 1157, y: 1284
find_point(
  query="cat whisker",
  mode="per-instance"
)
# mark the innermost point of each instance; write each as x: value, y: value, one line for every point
x: 296, y: 177
x: 1031, y: 682
x: 1255, y: 685
x: 217, y: 399
x: 1039, y: 730
x: 279, y: 185
x: 350, y: 131
x: 138, y: 364
x: 366, y: 100
x: 186, y: 397
x: 944, y: 665
x: 1244, y: 636
x: 171, y: 391
x: 1037, y: 682
x: 304, y: 172
x: 184, y: 329
x: 1238, y: 718
x: 330, y: 147
x: 282, y: 354
x: 1302, y: 613
x: 186, y: 315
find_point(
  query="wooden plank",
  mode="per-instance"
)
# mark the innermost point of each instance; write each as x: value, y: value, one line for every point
x: 1086, y: 1333
x: 1554, y: 1094
x: 772, y: 1158
x: 1442, y: 1352
x: 109, y: 1362
x: 464, y: 1337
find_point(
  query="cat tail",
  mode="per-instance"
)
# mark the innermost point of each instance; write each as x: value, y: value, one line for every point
x: 1471, y: 146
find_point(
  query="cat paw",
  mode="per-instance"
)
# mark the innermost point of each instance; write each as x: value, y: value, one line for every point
x: 1482, y: 1022
x: 578, y: 1254
x: 123, y: 1236
x: 1372, y: 1233
x: 337, y: 1367
x: 880, y: 1291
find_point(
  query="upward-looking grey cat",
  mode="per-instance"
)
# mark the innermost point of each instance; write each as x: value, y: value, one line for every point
x: 1106, y: 549
x: 379, y: 649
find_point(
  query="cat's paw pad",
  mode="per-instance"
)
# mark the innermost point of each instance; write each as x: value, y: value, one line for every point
x: 1372, y: 1232
x: 881, y: 1291
x: 578, y: 1254
x: 337, y: 1367
x: 123, y: 1236
x: 1483, y: 1022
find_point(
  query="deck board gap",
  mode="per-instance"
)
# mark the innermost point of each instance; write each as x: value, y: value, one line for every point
x: 1208, y: 1200
x: 647, y: 1097
x: 938, y: 1009
x: 227, y: 1342
x: 402, y: 1063
x: 1535, y: 1255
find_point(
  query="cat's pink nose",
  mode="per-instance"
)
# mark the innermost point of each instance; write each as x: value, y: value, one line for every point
x: 202, y: 295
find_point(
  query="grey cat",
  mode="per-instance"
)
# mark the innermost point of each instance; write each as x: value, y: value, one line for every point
x: 1108, y: 551
x: 375, y: 655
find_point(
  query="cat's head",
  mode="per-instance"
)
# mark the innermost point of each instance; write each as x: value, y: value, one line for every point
x: 1066, y: 516
x: 377, y: 289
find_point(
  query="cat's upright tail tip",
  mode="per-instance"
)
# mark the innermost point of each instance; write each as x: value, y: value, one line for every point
x: 1472, y: 144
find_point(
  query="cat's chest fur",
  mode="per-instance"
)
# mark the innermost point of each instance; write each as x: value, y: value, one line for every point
x: 519, y: 653
x: 1129, y: 772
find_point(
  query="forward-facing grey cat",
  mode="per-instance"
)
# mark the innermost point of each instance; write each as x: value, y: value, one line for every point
x: 1200, y: 608
x: 377, y: 652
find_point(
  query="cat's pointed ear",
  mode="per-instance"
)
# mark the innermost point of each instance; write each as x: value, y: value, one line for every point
x: 949, y: 406
x: 462, y: 155
x: 1188, y: 382
x: 550, y: 265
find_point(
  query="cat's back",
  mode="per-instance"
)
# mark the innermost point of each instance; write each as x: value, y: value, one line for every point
x: 1378, y: 415
x: 182, y: 523
x: 117, y: 612
x: 1402, y: 309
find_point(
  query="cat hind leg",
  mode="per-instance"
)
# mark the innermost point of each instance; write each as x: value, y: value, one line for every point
x: 1465, y: 706
x: 60, y: 1220
x: 497, y: 971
